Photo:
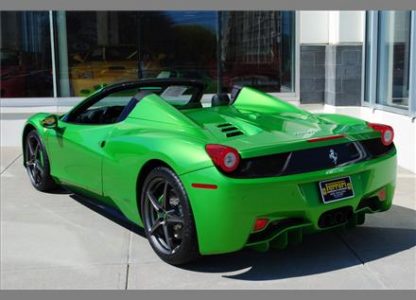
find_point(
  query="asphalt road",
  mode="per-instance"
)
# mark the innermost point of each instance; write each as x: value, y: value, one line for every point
x: 61, y: 241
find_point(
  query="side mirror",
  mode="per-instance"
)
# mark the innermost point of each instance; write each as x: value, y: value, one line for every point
x: 50, y: 121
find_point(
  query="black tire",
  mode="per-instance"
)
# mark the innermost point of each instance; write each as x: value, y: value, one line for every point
x: 169, y: 225
x: 36, y: 162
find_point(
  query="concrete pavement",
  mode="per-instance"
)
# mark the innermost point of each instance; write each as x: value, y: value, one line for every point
x: 61, y: 241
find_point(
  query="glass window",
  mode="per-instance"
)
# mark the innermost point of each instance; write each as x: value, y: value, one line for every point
x: 97, y: 48
x: 26, y: 66
x: 367, y: 66
x: 393, y: 58
x: 257, y: 49
x: 106, y: 110
x: 288, y: 52
x: 183, y: 46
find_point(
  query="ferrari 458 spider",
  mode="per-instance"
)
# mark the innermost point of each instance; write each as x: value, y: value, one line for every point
x: 247, y: 170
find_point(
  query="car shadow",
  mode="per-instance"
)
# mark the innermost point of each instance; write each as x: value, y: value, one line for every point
x: 110, y: 213
x: 59, y: 191
x: 382, y: 235
x: 318, y: 253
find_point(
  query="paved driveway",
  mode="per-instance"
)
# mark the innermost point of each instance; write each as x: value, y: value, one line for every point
x: 60, y: 241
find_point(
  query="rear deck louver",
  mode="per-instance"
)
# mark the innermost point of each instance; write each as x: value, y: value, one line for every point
x: 229, y: 130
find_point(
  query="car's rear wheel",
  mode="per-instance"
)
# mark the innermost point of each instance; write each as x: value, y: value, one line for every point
x: 37, y: 163
x: 167, y: 217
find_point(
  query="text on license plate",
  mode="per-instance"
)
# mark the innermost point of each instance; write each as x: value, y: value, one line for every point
x: 336, y: 189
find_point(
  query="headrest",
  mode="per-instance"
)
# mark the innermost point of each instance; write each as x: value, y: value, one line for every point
x: 220, y: 100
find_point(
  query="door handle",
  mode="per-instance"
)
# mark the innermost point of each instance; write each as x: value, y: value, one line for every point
x: 102, y: 144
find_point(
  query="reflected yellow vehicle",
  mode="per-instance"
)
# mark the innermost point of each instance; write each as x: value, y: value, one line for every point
x: 103, y: 65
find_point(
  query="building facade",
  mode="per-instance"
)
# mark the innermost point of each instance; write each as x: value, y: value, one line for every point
x: 363, y: 64
x: 75, y: 52
x: 354, y: 62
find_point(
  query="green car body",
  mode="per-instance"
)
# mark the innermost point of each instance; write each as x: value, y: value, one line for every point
x: 109, y: 162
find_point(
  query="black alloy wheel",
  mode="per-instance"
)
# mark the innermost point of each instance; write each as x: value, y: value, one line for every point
x: 167, y: 217
x: 37, y: 163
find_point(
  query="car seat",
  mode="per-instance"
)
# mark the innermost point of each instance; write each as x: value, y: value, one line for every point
x: 220, y: 100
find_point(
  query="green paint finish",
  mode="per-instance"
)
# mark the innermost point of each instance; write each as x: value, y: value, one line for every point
x: 156, y: 132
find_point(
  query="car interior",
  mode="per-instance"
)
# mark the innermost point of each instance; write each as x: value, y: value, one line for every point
x: 100, y: 115
x: 111, y: 113
x: 221, y: 99
x: 115, y: 107
x: 116, y: 113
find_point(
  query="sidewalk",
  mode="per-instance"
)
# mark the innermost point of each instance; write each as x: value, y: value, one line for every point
x: 55, y: 241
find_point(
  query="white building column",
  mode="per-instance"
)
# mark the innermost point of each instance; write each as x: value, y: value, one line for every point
x: 331, y: 56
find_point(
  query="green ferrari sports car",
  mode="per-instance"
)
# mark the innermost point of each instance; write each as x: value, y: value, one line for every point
x: 248, y: 170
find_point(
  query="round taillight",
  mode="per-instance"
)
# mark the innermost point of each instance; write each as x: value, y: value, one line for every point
x: 230, y: 160
x: 260, y: 224
x: 387, y: 133
x: 224, y: 157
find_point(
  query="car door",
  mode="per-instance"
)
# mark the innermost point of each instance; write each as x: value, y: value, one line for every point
x: 76, y: 152
x: 77, y: 146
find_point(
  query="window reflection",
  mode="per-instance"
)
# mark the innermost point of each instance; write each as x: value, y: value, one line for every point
x: 95, y: 48
x: 184, y: 46
x: 107, y: 47
x: 367, y: 67
x: 257, y: 49
x: 26, y: 67
x: 393, y: 58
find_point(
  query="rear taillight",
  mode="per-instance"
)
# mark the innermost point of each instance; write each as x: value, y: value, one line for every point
x: 224, y: 157
x: 381, y: 194
x: 260, y: 224
x: 387, y: 133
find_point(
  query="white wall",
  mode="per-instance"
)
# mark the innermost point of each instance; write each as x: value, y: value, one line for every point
x: 331, y: 27
x: 313, y: 27
x: 351, y: 27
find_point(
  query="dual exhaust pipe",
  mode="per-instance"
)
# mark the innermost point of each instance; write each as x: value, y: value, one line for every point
x: 335, y: 217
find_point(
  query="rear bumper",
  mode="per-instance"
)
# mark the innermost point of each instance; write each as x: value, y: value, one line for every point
x: 225, y: 216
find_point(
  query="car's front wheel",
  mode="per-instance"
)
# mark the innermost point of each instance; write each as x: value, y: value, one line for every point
x: 37, y: 163
x: 167, y: 217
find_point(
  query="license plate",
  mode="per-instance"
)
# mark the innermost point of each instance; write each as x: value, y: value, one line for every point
x: 336, y: 189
